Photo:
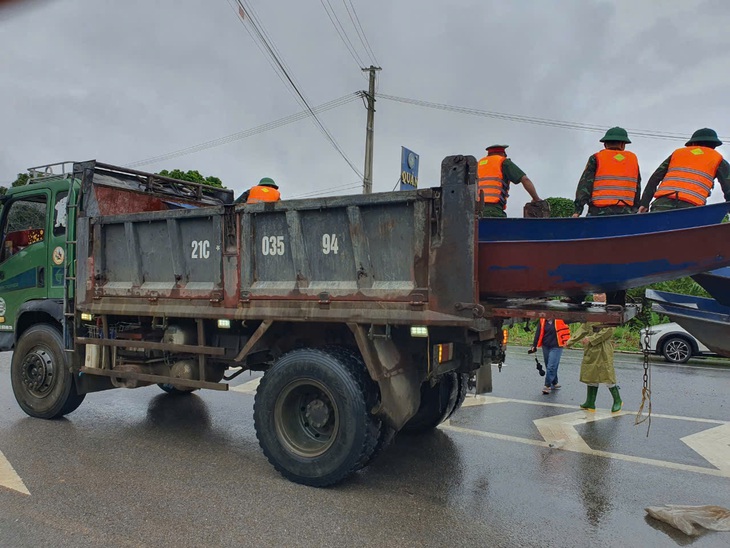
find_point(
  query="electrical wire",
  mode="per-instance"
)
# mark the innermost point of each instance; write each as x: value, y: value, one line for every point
x: 356, y: 184
x: 345, y: 99
x: 360, y: 31
x: 341, y: 31
x: 261, y: 36
x: 650, y: 134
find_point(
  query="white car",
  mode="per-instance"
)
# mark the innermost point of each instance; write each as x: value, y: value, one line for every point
x: 673, y: 342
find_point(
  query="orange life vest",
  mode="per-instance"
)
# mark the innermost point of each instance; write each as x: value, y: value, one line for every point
x: 617, y: 178
x: 263, y: 194
x: 490, y: 181
x: 561, y: 330
x: 691, y: 174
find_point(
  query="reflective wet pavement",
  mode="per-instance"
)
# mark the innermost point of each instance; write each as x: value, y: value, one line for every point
x: 139, y: 468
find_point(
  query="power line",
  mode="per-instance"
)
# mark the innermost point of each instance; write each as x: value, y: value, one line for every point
x: 245, y: 133
x: 341, y: 31
x: 319, y: 192
x: 360, y: 31
x: 245, y: 13
x: 532, y: 120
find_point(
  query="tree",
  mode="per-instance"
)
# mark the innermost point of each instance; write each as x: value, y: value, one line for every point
x: 192, y: 176
x: 560, y: 207
x: 21, y: 179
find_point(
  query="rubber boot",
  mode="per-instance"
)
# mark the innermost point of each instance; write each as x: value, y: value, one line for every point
x: 617, y: 403
x: 590, y: 403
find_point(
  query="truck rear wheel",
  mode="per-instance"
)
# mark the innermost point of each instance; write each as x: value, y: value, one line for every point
x: 42, y: 383
x: 312, y: 418
x: 437, y: 404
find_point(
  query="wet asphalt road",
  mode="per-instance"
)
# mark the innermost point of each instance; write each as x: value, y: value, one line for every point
x: 139, y: 468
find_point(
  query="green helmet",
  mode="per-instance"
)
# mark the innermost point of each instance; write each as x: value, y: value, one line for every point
x: 704, y: 136
x: 616, y: 134
x: 268, y: 181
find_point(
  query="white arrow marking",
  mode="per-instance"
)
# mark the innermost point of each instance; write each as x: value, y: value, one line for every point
x: 8, y: 477
x: 713, y: 445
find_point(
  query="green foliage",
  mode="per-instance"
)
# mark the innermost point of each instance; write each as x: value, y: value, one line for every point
x: 21, y: 180
x: 561, y: 207
x: 192, y: 176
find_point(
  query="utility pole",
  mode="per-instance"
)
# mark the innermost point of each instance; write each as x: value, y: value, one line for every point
x: 367, y: 181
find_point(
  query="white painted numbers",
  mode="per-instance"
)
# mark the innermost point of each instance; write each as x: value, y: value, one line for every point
x: 272, y: 245
x: 330, y: 244
x: 201, y: 249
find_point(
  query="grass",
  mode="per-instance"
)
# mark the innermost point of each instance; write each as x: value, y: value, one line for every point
x: 624, y: 338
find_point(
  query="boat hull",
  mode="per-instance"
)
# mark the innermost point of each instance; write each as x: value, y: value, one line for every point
x: 598, y: 265
x: 716, y: 283
x: 705, y: 319
x: 517, y: 229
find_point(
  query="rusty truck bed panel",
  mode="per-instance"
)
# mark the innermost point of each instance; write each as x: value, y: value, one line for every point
x: 380, y: 258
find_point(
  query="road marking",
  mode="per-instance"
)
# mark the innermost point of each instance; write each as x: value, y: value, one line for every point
x: 713, y: 445
x: 559, y: 432
x: 472, y: 401
x: 247, y: 387
x: 9, y: 478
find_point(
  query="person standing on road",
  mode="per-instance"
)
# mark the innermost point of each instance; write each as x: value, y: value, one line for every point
x: 597, y: 365
x: 551, y: 335
x: 495, y: 172
x: 687, y: 177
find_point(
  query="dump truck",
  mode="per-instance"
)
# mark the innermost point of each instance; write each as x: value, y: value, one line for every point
x: 362, y: 312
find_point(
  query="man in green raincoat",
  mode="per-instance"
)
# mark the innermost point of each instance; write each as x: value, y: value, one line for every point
x: 597, y: 365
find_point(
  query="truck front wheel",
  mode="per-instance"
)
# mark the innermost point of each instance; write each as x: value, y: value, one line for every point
x: 42, y: 383
x: 312, y: 418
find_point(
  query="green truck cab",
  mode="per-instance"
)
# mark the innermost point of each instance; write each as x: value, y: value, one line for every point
x: 34, y: 220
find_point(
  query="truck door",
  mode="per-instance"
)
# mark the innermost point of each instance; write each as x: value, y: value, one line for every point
x: 23, y: 255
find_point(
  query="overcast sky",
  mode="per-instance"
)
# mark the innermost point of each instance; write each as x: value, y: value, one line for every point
x: 125, y: 81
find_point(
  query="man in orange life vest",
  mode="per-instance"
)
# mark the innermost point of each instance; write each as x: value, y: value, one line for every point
x: 551, y: 335
x: 610, y: 183
x: 686, y: 178
x: 495, y: 172
x: 265, y: 191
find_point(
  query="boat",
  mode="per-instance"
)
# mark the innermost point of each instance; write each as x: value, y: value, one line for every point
x: 716, y: 283
x: 706, y: 319
x: 543, y: 268
x: 517, y: 229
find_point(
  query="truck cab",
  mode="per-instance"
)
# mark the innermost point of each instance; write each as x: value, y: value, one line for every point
x: 33, y: 250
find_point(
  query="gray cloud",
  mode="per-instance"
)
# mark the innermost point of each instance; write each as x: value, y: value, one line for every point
x: 122, y: 81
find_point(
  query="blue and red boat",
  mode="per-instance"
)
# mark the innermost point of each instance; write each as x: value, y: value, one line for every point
x: 551, y: 257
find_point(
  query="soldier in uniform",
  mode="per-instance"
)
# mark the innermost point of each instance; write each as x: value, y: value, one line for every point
x: 266, y: 191
x: 687, y: 177
x: 495, y: 172
x: 610, y: 184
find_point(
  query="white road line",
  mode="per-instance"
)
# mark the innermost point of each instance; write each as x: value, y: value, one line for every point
x: 9, y: 478
x: 559, y: 432
x: 472, y: 401
x: 247, y: 387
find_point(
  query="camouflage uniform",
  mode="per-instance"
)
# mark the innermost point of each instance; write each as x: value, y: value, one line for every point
x: 510, y: 173
x: 666, y: 203
x: 585, y: 191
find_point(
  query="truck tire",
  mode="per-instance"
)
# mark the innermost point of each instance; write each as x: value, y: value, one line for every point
x: 437, y: 404
x: 463, y: 380
x: 312, y: 418
x: 42, y: 383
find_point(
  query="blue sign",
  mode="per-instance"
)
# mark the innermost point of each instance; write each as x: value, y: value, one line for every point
x: 408, y: 169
